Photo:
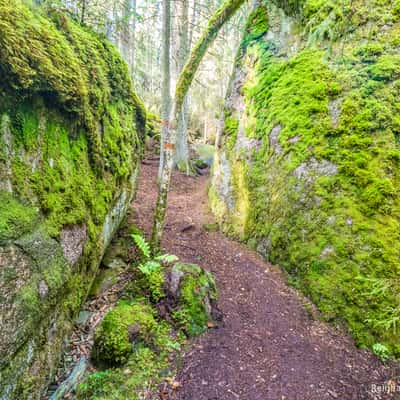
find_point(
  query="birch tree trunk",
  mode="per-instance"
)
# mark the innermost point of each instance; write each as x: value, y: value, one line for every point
x: 221, y: 16
x: 126, y: 30
x: 182, y: 149
x: 166, y: 84
x: 193, y: 24
x: 133, y: 37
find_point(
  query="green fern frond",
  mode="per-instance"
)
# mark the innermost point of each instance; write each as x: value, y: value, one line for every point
x: 143, y: 246
x: 149, y: 267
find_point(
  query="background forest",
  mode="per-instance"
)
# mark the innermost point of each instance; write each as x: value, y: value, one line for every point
x: 135, y: 27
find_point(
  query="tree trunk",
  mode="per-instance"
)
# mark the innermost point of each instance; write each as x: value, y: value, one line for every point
x: 221, y: 16
x: 182, y: 149
x: 83, y: 11
x: 193, y: 24
x: 126, y: 30
x: 166, y: 84
x: 133, y: 36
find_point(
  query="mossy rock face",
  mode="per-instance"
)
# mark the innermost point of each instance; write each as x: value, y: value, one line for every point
x: 195, y: 294
x: 308, y: 171
x: 71, y: 132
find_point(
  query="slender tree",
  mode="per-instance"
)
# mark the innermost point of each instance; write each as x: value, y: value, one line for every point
x: 133, y: 36
x: 126, y: 30
x: 166, y: 82
x: 221, y: 16
x: 193, y: 23
x: 182, y: 147
x: 83, y: 11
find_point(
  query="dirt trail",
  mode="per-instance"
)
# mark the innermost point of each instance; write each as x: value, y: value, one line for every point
x: 268, y: 346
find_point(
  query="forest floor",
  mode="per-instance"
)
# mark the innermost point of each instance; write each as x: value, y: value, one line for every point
x: 271, y: 344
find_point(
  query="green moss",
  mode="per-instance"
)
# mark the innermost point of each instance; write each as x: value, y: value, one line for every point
x: 149, y: 285
x: 64, y: 185
x: 94, y: 146
x: 257, y: 26
x: 211, y: 227
x: 217, y: 205
x: 193, y: 312
x: 70, y: 141
x: 155, y: 282
x: 139, y: 344
x: 16, y: 218
x: 112, y: 342
x: 153, y: 123
x: 131, y: 335
x: 73, y: 68
x: 387, y: 68
x: 141, y: 374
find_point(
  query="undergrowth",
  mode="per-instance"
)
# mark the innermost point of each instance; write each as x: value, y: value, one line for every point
x: 135, y: 345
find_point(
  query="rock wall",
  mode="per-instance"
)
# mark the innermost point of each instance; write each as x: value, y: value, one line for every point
x: 71, y: 130
x: 307, y: 170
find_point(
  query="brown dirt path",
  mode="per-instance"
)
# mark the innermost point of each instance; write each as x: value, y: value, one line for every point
x: 268, y: 346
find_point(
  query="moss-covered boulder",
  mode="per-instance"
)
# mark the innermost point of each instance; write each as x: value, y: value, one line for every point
x: 308, y: 170
x: 136, y: 346
x: 194, y: 292
x: 188, y: 303
x: 121, y: 329
x: 71, y: 131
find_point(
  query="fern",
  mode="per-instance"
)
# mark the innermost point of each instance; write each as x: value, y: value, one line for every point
x: 143, y: 246
x: 149, y: 267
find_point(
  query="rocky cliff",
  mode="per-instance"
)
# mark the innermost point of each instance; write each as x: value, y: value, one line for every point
x: 307, y: 170
x: 71, y: 129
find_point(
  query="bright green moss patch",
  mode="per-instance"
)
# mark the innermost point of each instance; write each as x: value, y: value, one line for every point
x: 140, y: 375
x: 257, y: 26
x: 73, y: 68
x: 82, y: 69
x: 63, y: 183
x: 76, y: 123
x: 113, y: 341
x: 16, y: 218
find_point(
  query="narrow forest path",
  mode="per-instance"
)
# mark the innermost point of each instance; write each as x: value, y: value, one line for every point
x: 268, y: 346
